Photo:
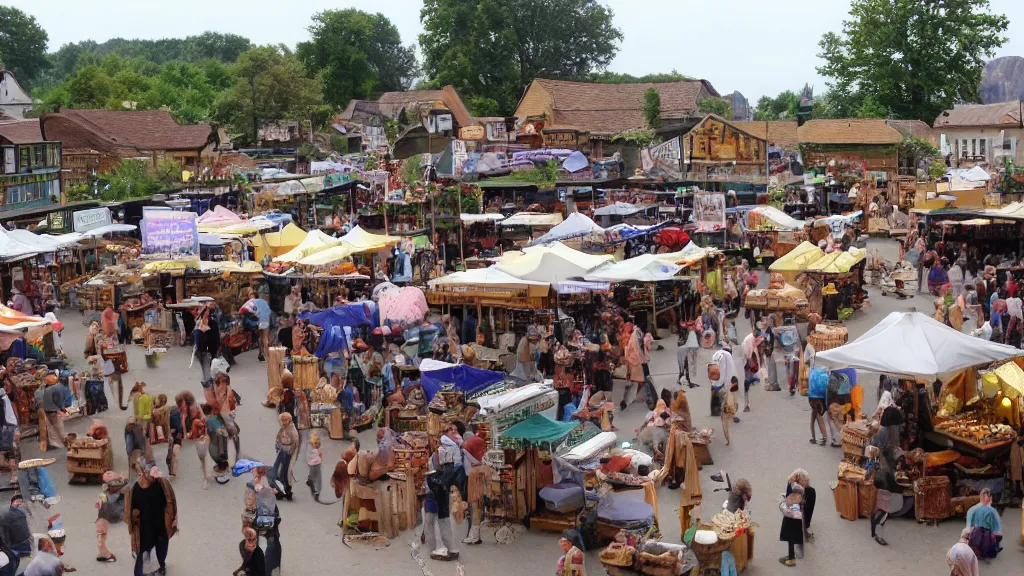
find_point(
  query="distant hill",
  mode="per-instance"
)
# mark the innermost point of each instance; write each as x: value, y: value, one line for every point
x: 1002, y: 80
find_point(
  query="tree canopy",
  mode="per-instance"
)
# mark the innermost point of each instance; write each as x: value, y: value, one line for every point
x: 909, y: 58
x: 270, y: 83
x: 189, y: 90
x: 22, y: 44
x: 492, y: 49
x: 357, y: 55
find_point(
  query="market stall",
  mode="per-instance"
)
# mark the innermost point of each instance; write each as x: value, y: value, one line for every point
x: 771, y: 233
x: 958, y: 448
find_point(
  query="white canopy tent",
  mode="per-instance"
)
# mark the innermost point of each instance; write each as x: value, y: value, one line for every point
x: 39, y: 242
x: 11, y: 247
x: 490, y: 276
x: 551, y: 263
x: 108, y: 229
x: 643, y: 268
x: 532, y: 219
x: 572, y: 227
x: 617, y: 209
x: 913, y: 344
x: 487, y: 217
x: 780, y: 219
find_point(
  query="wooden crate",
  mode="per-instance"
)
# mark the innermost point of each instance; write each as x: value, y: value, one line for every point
x: 866, y: 498
x: 932, y: 498
x: 846, y: 496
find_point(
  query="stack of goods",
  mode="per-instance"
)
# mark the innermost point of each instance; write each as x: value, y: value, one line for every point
x: 322, y: 401
x: 411, y: 454
x: 785, y: 297
x: 852, y: 472
x: 739, y: 527
x: 933, y: 497
x: 855, y: 435
x: 977, y: 428
x: 307, y: 371
x: 88, y: 459
x: 827, y: 337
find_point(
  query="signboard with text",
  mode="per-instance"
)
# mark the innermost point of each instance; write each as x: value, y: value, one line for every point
x: 85, y: 220
x: 169, y: 232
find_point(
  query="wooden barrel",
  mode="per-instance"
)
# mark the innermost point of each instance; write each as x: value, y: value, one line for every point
x: 275, y: 366
x: 307, y: 371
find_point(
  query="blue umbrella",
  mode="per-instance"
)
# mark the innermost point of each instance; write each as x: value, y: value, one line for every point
x: 243, y: 466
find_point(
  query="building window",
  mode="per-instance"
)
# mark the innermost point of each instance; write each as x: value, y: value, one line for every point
x: 981, y: 146
x: 23, y: 161
x: 974, y: 147
x: 963, y: 148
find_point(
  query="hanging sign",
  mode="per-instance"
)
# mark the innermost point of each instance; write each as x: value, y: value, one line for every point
x: 709, y: 208
x: 168, y: 231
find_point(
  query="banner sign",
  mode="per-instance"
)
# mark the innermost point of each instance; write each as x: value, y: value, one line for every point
x: 709, y: 208
x: 85, y: 220
x: 167, y: 231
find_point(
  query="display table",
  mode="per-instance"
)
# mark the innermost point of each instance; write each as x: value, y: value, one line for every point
x: 987, y: 451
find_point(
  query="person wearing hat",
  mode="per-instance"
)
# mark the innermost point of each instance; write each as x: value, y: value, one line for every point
x: 527, y: 355
x: 15, y: 533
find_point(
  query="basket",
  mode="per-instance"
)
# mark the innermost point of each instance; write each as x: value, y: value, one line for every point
x: 710, y: 555
x: 855, y: 434
x: 828, y: 337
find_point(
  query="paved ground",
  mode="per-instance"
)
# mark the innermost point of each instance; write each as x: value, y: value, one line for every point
x: 769, y: 443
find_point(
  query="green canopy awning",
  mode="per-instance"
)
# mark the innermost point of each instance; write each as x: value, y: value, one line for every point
x: 539, y: 428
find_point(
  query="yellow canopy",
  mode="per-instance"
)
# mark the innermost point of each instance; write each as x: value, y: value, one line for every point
x: 314, y: 242
x: 277, y: 243
x: 796, y: 260
x: 837, y: 262
x: 357, y: 241
x: 1012, y: 379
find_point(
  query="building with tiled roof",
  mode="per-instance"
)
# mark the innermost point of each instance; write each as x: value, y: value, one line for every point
x: 603, y: 110
x: 14, y: 101
x: 978, y: 134
x: 780, y: 133
x: 848, y: 131
x: 100, y: 139
x: 30, y: 166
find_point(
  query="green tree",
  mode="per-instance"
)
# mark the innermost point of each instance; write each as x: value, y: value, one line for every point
x: 652, y: 108
x: 717, y: 106
x: 781, y: 107
x: 357, y: 55
x: 606, y: 77
x: 914, y: 58
x: 495, y: 48
x: 270, y: 84
x: 22, y: 44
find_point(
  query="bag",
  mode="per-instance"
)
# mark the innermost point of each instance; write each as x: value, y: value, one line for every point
x: 752, y: 366
x: 108, y: 367
x: 7, y: 437
x: 621, y: 372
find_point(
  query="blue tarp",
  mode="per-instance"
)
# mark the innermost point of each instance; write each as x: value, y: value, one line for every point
x: 333, y: 321
x: 460, y: 377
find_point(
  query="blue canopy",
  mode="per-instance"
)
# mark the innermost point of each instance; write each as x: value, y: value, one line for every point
x: 459, y: 377
x: 333, y: 321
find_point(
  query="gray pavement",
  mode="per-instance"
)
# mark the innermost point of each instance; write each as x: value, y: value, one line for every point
x: 767, y: 445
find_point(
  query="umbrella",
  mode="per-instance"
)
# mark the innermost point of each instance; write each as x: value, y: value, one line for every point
x: 244, y: 466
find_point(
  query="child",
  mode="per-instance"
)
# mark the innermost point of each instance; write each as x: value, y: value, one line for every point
x: 314, y: 460
x: 729, y: 407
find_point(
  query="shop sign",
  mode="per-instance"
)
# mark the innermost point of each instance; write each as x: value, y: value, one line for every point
x: 471, y: 133
x: 169, y: 232
x: 85, y: 220
x: 55, y: 221
x: 709, y: 208
x: 561, y: 140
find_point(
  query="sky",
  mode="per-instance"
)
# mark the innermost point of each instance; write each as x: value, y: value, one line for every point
x: 755, y: 46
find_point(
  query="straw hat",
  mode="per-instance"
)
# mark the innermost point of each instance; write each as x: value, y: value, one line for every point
x: 829, y: 290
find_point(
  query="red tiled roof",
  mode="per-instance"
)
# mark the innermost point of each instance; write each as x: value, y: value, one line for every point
x: 141, y: 129
x: 1002, y: 114
x: 781, y: 133
x: 610, y: 108
x: 21, y: 131
x: 391, y: 102
x: 848, y: 131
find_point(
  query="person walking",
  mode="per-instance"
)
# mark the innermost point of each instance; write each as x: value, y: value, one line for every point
x: 986, y: 526
x: 961, y: 558
x: 207, y: 341
x: 436, y: 507
x: 686, y: 353
x: 751, y: 364
x: 287, y: 446
x: 151, y: 512
x: 314, y: 460
x: 53, y: 408
x: 259, y: 307
x: 111, y: 510
x: 792, y: 531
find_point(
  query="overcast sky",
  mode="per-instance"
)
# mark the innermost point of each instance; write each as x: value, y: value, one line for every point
x: 754, y: 46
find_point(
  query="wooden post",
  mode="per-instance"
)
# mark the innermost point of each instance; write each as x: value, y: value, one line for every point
x: 458, y: 212
x: 653, y: 325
